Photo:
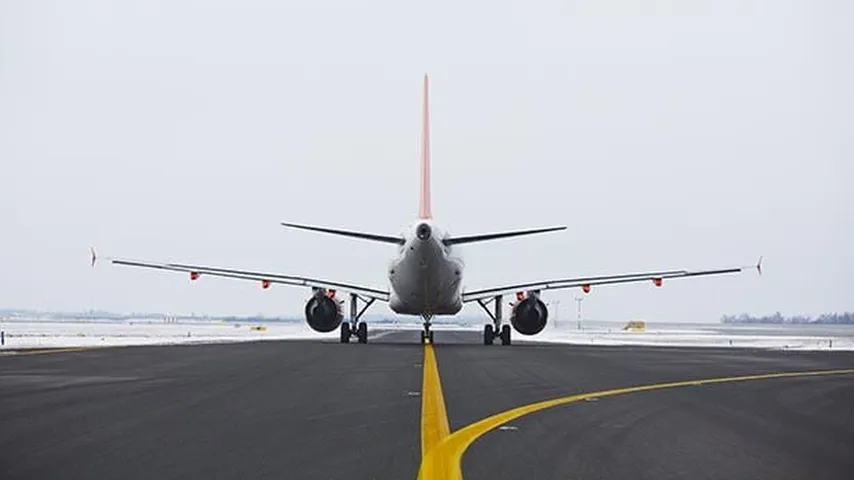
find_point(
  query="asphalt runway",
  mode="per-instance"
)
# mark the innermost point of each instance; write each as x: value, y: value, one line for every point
x: 322, y: 410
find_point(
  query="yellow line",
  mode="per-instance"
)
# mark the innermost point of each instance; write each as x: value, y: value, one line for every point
x: 434, y: 417
x: 44, y: 351
x: 443, y: 461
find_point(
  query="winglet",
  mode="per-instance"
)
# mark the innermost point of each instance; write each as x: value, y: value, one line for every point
x: 94, y: 255
x: 759, y: 265
x: 424, y: 210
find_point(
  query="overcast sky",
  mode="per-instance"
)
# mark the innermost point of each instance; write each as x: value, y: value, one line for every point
x: 664, y: 134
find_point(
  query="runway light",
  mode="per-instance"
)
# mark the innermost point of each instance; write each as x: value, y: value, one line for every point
x: 194, y: 275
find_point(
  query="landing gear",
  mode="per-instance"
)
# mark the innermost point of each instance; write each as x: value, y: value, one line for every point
x: 353, y: 327
x: 496, y: 329
x: 427, y: 334
x: 360, y: 332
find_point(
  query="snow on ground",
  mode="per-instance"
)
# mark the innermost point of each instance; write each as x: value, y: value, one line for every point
x: 782, y: 338
x: 64, y: 334
x: 26, y: 335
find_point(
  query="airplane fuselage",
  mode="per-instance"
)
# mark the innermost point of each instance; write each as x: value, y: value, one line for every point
x: 426, y: 276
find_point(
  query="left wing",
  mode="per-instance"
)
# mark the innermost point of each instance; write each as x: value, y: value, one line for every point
x: 586, y: 282
x: 265, y: 279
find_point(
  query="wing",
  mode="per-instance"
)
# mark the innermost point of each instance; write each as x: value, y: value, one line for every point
x: 586, y: 282
x: 265, y: 279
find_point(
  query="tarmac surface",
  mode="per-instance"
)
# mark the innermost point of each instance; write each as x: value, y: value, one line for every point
x: 322, y: 410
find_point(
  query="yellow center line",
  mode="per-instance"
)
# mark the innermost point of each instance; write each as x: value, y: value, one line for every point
x: 443, y: 460
x: 434, y: 417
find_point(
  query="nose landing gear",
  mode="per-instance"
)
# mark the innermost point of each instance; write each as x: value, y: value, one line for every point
x: 427, y: 334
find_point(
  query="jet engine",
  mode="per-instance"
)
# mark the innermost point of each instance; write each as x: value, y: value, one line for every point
x: 323, y: 312
x: 529, y: 316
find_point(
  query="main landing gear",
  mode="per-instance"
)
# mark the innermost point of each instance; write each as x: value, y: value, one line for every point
x: 427, y: 334
x: 353, y: 327
x: 489, y: 334
x: 496, y: 329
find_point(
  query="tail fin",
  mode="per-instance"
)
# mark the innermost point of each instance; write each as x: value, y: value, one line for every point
x: 424, y: 211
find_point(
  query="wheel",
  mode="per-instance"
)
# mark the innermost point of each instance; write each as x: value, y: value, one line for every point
x: 423, y: 336
x: 505, y: 335
x: 362, y: 332
x: 345, y: 332
x: 430, y: 336
x: 488, y: 335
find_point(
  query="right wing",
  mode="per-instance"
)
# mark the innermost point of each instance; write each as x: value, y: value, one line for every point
x: 265, y: 279
x: 586, y: 282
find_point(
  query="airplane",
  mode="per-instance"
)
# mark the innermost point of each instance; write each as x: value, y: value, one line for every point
x: 425, y: 277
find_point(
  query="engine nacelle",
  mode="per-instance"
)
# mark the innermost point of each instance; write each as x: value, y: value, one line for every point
x: 323, y: 313
x: 529, y: 316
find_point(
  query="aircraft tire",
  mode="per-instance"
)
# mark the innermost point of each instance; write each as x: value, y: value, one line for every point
x: 488, y: 334
x: 505, y: 335
x: 430, y: 336
x: 345, y: 332
x: 362, y: 332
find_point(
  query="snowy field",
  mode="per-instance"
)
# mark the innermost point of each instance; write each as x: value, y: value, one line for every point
x: 27, y: 335
x: 782, y: 337
x: 40, y: 334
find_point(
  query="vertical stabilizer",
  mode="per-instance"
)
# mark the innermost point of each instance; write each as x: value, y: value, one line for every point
x: 424, y: 211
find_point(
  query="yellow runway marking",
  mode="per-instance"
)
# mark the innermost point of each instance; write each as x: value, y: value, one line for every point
x: 443, y: 460
x: 434, y: 417
x: 43, y: 351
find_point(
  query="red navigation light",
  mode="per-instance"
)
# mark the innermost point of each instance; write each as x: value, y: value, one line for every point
x: 330, y: 293
x: 585, y: 288
x: 265, y: 284
x: 520, y: 296
x: 194, y: 275
x: 657, y: 281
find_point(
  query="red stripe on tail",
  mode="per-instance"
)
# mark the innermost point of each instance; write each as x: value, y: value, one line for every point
x: 424, y: 211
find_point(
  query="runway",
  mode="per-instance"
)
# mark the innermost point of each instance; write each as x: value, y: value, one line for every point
x: 322, y: 410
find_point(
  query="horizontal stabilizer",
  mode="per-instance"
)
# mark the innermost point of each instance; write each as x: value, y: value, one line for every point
x: 347, y: 233
x: 494, y: 236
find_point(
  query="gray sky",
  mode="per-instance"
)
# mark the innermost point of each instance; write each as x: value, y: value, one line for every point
x: 665, y: 134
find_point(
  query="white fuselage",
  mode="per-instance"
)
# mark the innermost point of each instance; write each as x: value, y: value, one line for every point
x: 426, y: 276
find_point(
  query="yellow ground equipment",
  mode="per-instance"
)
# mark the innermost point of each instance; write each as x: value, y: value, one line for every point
x: 635, y: 326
